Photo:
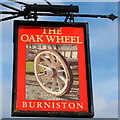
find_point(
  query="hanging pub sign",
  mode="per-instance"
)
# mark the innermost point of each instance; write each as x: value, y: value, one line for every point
x: 52, y: 74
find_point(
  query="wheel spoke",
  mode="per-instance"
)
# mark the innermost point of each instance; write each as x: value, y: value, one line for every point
x: 52, y: 59
x: 47, y: 81
x: 57, y: 64
x: 62, y: 78
x: 41, y: 74
x: 60, y: 70
x: 54, y: 63
x: 60, y: 86
x: 43, y: 66
x: 46, y: 60
x: 54, y: 82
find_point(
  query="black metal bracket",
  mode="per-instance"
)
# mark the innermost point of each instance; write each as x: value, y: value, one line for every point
x: 32, y: 11
x: 69, y: 17
x: 35, y: 14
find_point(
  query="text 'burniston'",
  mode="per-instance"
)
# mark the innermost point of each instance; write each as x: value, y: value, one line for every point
x: 54, y: 105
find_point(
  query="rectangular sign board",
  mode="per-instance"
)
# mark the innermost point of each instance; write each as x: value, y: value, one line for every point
x: 52, y: 74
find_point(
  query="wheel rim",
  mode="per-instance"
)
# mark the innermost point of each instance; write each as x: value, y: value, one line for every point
x: 52, y: 72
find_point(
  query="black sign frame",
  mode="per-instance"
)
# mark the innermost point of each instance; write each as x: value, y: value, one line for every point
x: 82, y: 114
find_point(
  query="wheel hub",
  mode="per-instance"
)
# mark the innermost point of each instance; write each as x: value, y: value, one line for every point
x: 50, y: 72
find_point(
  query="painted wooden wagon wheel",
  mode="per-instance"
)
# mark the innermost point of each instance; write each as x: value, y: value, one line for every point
x: 52, y: 72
